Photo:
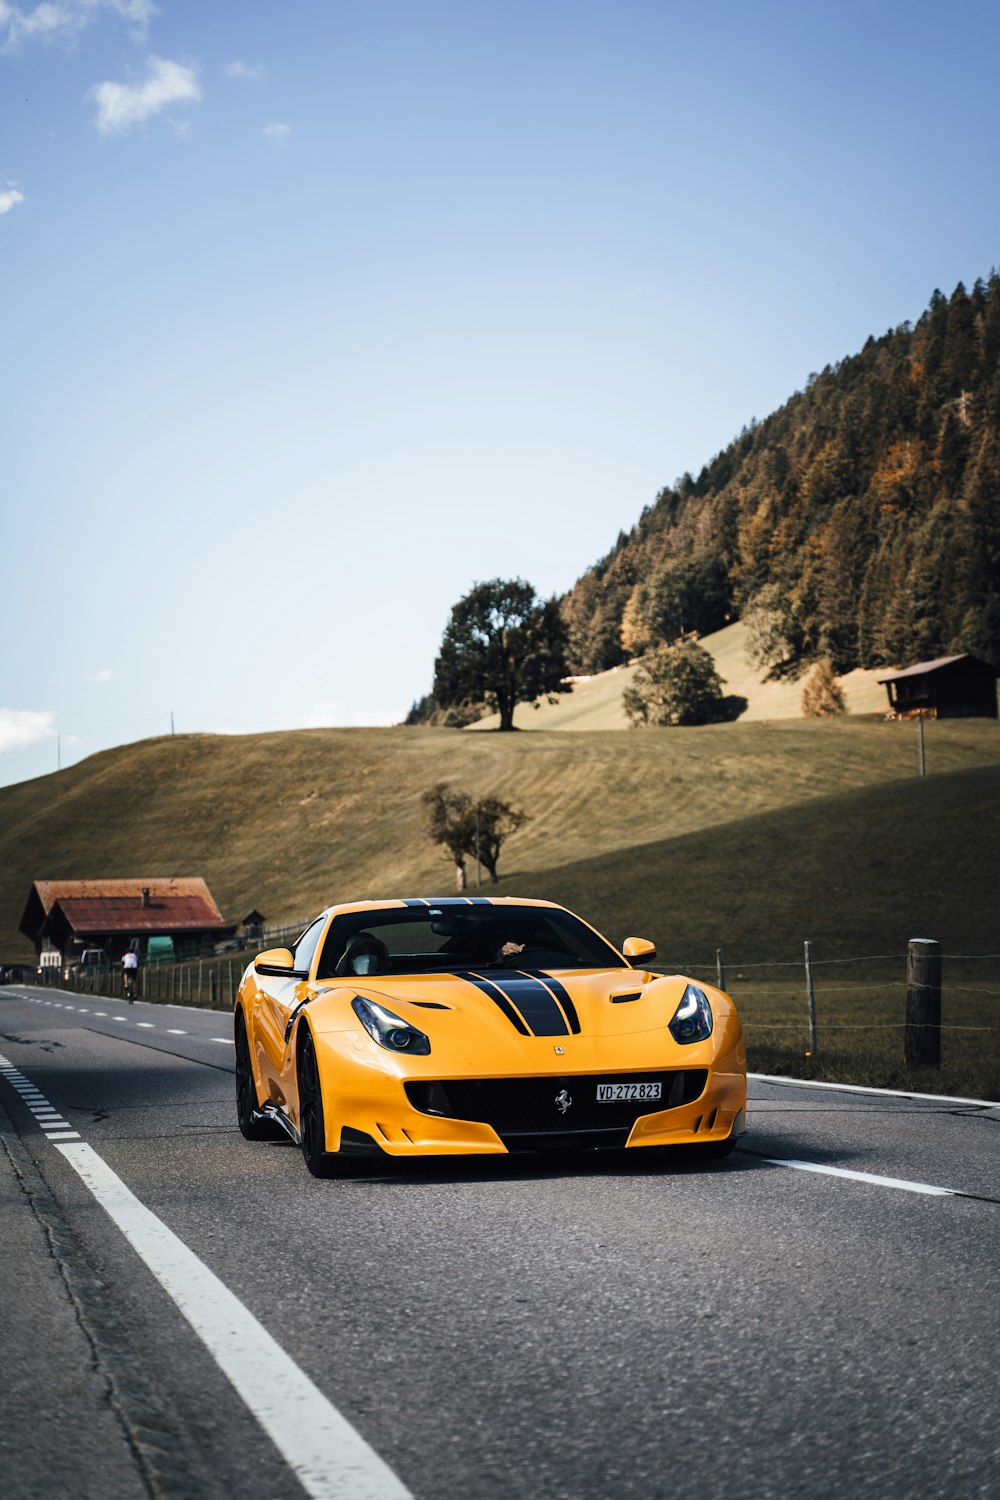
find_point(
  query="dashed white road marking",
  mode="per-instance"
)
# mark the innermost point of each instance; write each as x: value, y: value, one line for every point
x: 101, y: 1013
x: 890, y: 1182
x: 226, y: 1041
x: 328, y: 1457
x: 173, y: 1031
x: 147, y: 1024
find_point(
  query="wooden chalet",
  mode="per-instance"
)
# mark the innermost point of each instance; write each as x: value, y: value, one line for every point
x: 952, y: 687
x: 66, y: 916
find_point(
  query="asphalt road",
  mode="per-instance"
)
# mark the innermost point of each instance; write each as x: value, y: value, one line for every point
x: 630, y: 1327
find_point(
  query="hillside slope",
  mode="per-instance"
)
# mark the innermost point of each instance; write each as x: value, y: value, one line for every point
x: 597, y: 702
x: 860, y: 521
x: 288, y: 822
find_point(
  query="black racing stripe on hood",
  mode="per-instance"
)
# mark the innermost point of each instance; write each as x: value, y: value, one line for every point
x: 562, y: 995
x: 536, y: 1003
x: 499, y: 998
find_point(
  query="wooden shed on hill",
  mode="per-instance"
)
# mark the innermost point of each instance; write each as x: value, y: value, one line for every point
x: 952, y: 687
x: 66, y: 916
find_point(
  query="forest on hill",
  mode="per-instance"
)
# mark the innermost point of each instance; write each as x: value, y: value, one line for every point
x: 859, y: 523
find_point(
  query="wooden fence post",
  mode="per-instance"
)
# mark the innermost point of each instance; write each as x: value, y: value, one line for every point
x: 922, y: 1040
x: 720, y: 968
x: 810, y: 998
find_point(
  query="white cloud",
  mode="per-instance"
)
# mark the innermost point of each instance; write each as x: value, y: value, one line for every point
x: 101, y: 674
x: 9, y: 198
x: 64, y: 19
x: 244, y: 70
x: 122, y: 105
x: 277, y: 133
x: 22, y: 727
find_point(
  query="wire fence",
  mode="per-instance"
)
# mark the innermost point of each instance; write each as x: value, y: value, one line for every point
x: 859, y: 993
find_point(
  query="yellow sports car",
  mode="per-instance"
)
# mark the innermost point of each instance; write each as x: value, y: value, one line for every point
x: 468, y: 1026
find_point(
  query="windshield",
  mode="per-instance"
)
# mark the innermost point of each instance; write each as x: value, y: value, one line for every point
x: 449, y: 936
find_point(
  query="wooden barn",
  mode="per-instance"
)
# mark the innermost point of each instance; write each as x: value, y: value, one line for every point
x: 952, y: 687
x: 67, y: 916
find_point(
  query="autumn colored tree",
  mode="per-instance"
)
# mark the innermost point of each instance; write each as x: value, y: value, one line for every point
x: 822, y: 694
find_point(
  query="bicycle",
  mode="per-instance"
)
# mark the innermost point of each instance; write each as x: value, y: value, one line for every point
x: 129, y: 977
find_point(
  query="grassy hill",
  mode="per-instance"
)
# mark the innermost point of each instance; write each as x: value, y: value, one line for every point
x: 597, y: 703
x: 288, y: 822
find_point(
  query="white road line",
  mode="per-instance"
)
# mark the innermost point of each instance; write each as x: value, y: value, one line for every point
x: 330, y: 1460
x: 226, y: 1041
x: 890, y: 1182
x: 172, y: 1031
x: 147, y: 1024
x: 101, y: 1013
x: 858, y: 1088
x: 67, y: 1135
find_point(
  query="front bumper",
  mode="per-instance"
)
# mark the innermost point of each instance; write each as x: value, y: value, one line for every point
x: 712, y: 1103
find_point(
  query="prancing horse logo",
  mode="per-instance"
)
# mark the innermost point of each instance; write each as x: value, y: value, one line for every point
x: 563, y: 1101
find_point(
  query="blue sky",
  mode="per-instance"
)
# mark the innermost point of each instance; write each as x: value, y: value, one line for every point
x: 314, y: 314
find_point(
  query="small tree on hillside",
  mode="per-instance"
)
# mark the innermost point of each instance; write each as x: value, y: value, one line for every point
x: 448, y: 815
x: 503, y: 645
x: 822, y: 694
x: 497, y: 820
x: 465, y: 827
x: 676, y: 685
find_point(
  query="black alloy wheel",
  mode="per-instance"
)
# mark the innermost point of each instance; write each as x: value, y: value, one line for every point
x: 252, y: 1128
x: 321, y: 1163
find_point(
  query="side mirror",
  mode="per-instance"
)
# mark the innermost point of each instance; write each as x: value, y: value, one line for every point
x: 276, y: 961
x: 642, y: 948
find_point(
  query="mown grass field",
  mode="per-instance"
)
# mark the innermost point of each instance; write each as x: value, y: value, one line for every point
x: 750, y: 837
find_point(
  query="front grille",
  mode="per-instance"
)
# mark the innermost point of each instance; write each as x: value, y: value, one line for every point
x: 523, y: 1107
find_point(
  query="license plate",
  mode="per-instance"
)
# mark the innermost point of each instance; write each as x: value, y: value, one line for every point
x: 620, y: 1093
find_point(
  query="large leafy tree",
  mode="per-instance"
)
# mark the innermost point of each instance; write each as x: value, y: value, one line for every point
x: 503, y: 645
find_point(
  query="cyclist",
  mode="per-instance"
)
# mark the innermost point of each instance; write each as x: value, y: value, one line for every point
x: 130, y: 967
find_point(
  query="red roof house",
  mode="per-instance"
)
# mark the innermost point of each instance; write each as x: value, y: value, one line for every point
x: 67, y: 915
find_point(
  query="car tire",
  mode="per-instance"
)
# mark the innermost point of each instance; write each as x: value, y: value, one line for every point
x: 252, y: 1127
x: 312, y: 1123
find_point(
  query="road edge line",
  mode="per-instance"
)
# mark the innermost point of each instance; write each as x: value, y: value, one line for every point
x: 859, y: 1088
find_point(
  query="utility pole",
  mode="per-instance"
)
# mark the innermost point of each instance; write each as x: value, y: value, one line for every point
x: 171, y: 721
x: 58, y: 752
x: 479, y: 867
x: 920, y: 740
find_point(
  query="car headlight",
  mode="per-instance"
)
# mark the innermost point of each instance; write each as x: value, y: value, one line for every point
x: 390, y: 1030
x: 693, y: 1017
